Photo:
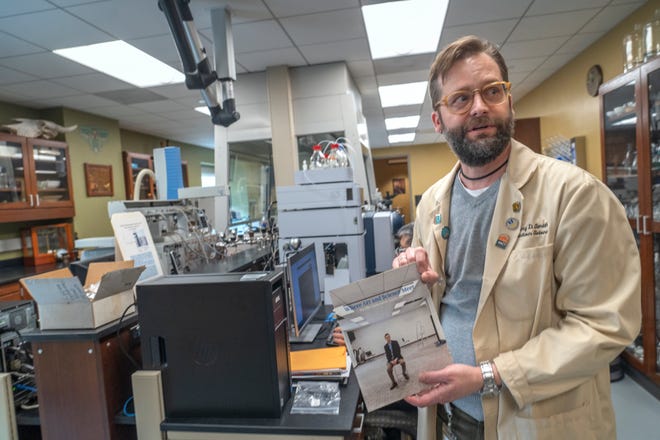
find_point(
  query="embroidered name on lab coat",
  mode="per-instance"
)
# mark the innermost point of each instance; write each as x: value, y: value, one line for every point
x: 534, y: 229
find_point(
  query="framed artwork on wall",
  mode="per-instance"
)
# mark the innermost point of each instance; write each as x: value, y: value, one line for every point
x: 98, y: 180
x: 398, y: 186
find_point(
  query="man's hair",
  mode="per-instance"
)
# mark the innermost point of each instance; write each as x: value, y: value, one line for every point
x: 386, y: 335
x: 460, y: 49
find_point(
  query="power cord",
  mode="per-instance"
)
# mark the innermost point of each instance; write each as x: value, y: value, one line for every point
x: 119, y: 342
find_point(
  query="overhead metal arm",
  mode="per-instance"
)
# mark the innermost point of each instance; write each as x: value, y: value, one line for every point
x: 197, y: 68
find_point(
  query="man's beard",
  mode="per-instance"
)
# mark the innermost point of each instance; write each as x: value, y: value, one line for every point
x: 483, y: 150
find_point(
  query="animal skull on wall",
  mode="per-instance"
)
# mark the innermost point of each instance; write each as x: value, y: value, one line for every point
x: 37, y: 128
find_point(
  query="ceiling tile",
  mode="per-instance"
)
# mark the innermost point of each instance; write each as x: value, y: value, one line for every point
x: 10, y: 46
x: 519, y: 49
x: 131, y: 95
x: 524, y: 64
x: 494, y: 31
x: 346, y: 50
x: 78, y: 102
x: 45, y: 65
x: 552, y: 25
x: 241, y: 11
x: 608, y: 18
x: 92, y: 83
x: 403, y: 64
x: 540, y: 7
x: 159, y: 106
x: 479, y: 11
x: 286, y: 8
x: 578, y: 43
x: 8, y: 76
x: 115, y: 111
x: 313, y: 28
x: 172, y: 91
x: 40, y: 89
x: 258, y: 61
x: 15, y: 7
x: 160, y: 46
x: 131, y: 19
x: 402, y: 77
x: 271, y: 36
x: 403, y: 110
x: 56, y: 29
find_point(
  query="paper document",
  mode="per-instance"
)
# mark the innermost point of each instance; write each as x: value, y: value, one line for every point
x: 392, y: 334
x: 319, y: 359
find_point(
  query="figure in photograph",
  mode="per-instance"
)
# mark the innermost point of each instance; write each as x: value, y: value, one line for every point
x: 393, y: 355
x: 533, y: 267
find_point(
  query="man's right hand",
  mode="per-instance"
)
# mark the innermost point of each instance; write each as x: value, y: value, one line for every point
x: 418, y: 256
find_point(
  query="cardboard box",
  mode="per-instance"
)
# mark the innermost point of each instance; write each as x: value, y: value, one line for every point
x: 62, y: 301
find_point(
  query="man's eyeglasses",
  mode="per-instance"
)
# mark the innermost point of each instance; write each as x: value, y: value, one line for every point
x: 461, y: 101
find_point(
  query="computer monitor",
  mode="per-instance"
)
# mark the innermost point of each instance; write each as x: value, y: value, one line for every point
x: 305, y: 298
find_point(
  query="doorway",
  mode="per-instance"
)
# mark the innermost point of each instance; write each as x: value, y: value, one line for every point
x: 393, y: 181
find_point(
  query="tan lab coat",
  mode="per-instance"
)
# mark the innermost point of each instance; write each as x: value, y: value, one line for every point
x: 558, y: 302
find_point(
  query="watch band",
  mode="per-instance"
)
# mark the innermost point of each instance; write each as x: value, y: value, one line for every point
x: 490, y: 387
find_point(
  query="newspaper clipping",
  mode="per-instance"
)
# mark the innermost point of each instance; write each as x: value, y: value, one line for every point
x: 392, y: 334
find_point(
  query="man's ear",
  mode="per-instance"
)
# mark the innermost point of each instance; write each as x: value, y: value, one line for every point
x: 437, y: 122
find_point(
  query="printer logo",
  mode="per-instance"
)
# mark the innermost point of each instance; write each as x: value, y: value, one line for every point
x: 204, y: 353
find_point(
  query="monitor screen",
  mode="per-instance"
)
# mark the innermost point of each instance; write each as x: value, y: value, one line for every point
x: 305, y: 288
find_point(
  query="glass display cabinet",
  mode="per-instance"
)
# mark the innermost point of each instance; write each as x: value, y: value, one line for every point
x: 46, y: 244
x: 630, y: 138
x: 35, y: 179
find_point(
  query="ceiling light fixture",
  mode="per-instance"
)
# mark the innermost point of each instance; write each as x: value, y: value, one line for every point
x: 402, y: 94
x: 404, y: 27
x: 402, y: 122
x: 125, y: 62
x: 404, y: 137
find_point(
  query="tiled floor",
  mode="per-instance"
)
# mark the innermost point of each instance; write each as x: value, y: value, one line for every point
x: 637, y: 411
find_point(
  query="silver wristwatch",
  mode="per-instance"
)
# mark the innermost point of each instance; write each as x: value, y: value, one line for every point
x: 490, y: 388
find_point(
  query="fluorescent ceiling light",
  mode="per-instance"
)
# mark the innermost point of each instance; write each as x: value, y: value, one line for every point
x: 204, y: 110
x: 125, y: 62
x: 405, y: 137
x: 404, y: 27
x: 402, y: 122
x: 357, y: 319
x: 402, y: 94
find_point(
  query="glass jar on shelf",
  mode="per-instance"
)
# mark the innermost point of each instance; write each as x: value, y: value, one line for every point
x: 652, y: 37
x: 633, y: 49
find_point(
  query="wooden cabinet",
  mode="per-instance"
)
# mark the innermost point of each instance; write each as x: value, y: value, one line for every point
x: 35, y: 179
x: 11, y: 292
x: 136, y: 162
x: 83, y: 378
x: 630, y: 138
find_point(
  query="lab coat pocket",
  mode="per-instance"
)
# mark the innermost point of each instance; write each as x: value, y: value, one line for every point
x: 572, y: 424
x: 524, y: 286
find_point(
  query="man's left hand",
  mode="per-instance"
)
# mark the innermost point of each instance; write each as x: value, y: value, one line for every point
x: 449, y: 384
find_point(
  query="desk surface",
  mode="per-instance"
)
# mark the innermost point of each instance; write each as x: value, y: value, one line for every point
x: 293, y: 424
x: 81, y: 334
